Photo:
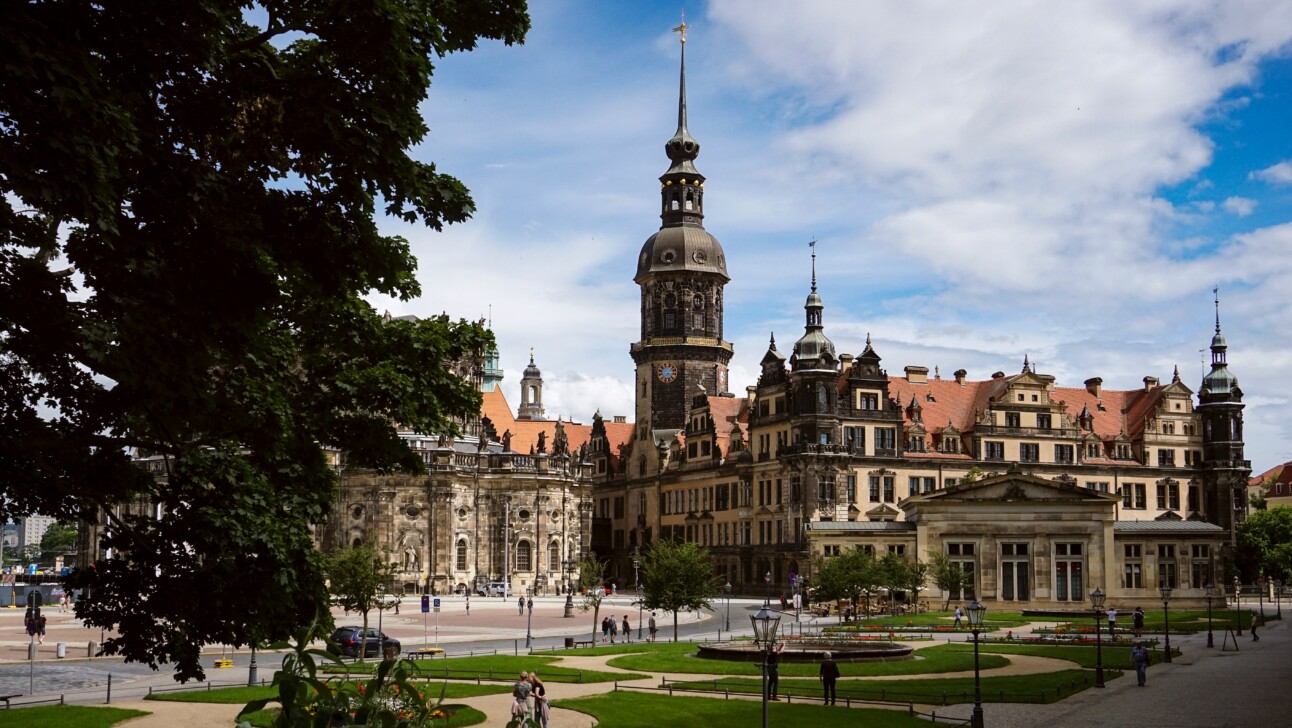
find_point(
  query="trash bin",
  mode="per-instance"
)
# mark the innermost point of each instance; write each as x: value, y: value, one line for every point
x: 569, y: 642
x: 60, y: 650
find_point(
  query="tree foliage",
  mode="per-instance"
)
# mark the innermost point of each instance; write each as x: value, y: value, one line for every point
x: 357, y: 577
x: 677, y: 576
x: 188, y: 238
x: 947, y: 575
x: 57, y: 540
x: 591, y: 573
x: 851, y: 574
x: 1265, y: 541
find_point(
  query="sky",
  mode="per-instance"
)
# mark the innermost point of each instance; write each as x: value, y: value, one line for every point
x: 985, y: 181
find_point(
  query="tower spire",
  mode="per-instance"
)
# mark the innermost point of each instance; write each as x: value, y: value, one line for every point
x: 681, y: 97
x: 1216, y: 291
x: 812, y: 245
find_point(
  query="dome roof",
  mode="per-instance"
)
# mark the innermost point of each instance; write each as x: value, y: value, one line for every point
x: 814, y: 345
x: 1219, y: 381
x: 532, y: 371
x: 679, y: 248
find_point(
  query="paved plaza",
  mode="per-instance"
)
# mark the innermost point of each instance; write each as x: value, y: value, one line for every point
x: 1211, y: 688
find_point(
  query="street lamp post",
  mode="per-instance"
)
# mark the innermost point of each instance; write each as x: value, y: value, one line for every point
x: 1166, y: 616
x: 728, y: 592
x: 1278, y: 597
x: 1238, y: 604
x: 1211, y: 594
x: 529, y: 623
x: 976, y: 612
x: 765, y: 623
x: 1097, y: 600
x: 569, y: 588
x: 1260, y: 595
x: 637, y: 565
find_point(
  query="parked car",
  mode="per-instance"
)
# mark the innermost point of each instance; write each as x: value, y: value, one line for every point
x: 492, y: 589
x: 347, y: 642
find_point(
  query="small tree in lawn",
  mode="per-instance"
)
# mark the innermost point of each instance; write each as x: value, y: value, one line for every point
x: 591, y: 573
x: 917, y: 574
x: 947, y: 576
x: 356, y: 575
x: 677, y: 576
x: 894, y: 575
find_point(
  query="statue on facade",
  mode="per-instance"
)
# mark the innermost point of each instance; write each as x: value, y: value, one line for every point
x: 542, y: 442
x: 560, y: 443
x: 506, y: 441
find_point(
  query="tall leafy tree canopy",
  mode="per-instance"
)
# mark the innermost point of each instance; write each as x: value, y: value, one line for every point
x: 1265, y: 542
x: 187, y: 236
x: 678, y: 576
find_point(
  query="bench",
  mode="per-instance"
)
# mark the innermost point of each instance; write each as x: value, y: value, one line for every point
x: 7, y: 698
x: 583, y: 643
x: 426, y: 652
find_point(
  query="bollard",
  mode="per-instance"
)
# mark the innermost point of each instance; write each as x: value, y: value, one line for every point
x: 93, y: 647
x: 580, y: 677
x: 60, y: 650
x: 109, y: 700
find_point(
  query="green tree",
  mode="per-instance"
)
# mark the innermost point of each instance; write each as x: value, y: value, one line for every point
x: 57, y: 541
x: 850, y: 575
x: 894, y: 574
x: 973, y: 475
x: 677, y: 576
x: 917, y: 578
x: 947, y: 576
x: 187, y: 242
x: 1265, y: 541
x: 592, y: 572
x: 357, y: 577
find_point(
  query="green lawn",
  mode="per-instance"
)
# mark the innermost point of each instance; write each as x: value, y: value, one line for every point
x: 460, y: 716
x: 992, y: 621
x: 1083, y: 654
x: 493, y: 667
x: 65, y: 716
x: 680, y: 657
x: 452, y: 690
x: 627, y: 709
x: 1038, y: 688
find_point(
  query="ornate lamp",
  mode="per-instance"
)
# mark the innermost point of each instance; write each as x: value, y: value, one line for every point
x: 765, y: 623
x: 1165, y: 589
x: 1097, y: 601
x: 976, y: 613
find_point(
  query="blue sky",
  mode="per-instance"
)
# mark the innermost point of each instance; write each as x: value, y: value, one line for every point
x: 986, y: 181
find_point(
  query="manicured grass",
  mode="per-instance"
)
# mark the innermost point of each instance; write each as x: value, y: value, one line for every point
x: 993, y: 620
x: 1083, y: 655
x: 460, y: 716
x: 680, y: 657
x: 627, y: 709
x: 63, y: 716
x: 1038, y: 688
x: 452, y: 690
x: 494, y: 667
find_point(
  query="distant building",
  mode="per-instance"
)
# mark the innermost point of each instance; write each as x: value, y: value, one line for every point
x: 31, y: 529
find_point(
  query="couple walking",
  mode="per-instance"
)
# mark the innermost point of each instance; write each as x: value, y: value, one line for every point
x: 610, y: 629
x: 529, y: 688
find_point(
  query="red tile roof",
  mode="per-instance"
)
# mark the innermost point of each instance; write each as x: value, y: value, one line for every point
x: 524, y: 433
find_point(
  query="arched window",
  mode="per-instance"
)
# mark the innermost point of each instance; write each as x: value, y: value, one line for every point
x: 554, y: 556
x: 462, y: 555
x: 523, y: 554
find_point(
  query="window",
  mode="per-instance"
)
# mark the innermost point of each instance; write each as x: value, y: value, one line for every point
x: 1043, y: 421
x: 889, y: 489
x: 1093, y: 450
x: 1123, y: 452
x: 721, y: 497
x: 523, y: 556
x: 1069, y: 567
x: 963, y: 556
x: 830, y: 550
x: 1166, y: 458
x: 1015, y: 569
x: 867, y: 401
x: 1168, y: 428
x: 885, y: 439
x: 1166, y: 565
x: 852, y: 489
x: 1012, y: 419
x: 1201, y: 563
x: 874, y: 489
x: 913, y: 486
x: 1134, y: 496
x: 1132, y: 569
x: 1173, y: 496
x: 950, y: 444
x: 1063, y: 454
x: 1193, y: 498
x: 855, y: 437
x: 897, y: 548
x: 825, y: 488
x: 994, y: 450
x: 619, y: 507
x: 461, y: 556
x: 553, y: 556
x: 1029, y: 452
x: 1161, y: 496
x: 915, y: 443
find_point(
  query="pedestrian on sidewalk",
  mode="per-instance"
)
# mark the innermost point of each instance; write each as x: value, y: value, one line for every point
x: 829, y: 676
x: 1254, y: 623
x: 1139, y: 659
x: 520, y: 606
x: 1137, y: 621
x: 520, y: 694
x: 468, y: 605
x: 774, y: 671
x: 960, y: 615
x: 539, y: 693
x: 1112, y: 622
x: 650, y: 626
x: 614, y: 630
x: 605, y: 629
x: 628, y: 630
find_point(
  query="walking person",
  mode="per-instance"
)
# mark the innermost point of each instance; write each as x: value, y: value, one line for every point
x: 614, y: 630
x: 628, y: 630
x: 1112, y: 621
x: 539, y: 692
x: 774, y: 671
x: 605, y: 629
x: 1137, y: 621
x: 829, y: 676
x: 1139, y: 658
x: 468, y: 605
x: 520, y: 606
x: 520, y: 693
x: 960, y: 615
x: 1253, y: 626
x: 650, y: 627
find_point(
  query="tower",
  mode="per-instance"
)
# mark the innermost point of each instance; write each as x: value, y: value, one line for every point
x: 814, y: 374
x: 1224, y: 469
x: 531, y: 392
x: 681, y: 271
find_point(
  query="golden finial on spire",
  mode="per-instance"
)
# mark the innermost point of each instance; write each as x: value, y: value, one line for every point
x: 681, y: 29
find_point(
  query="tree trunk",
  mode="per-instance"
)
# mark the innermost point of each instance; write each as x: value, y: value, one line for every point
x: 596, y: 623
x: 363, y: 638
x: 675, y: 626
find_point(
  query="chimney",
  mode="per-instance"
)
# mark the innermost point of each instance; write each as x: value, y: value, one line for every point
x: 917, y: 375
x: 750, y: 393
x: 1095, y: 386
x: 960, y: 376
x: 998, y: 375
x: 845, y: 361
x: 1149, y: 383
x: 621, y: 419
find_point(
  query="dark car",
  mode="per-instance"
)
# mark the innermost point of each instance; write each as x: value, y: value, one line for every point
x: 348, y: 639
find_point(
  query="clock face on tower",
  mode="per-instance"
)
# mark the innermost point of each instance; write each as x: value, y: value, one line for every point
x: 667, y: 372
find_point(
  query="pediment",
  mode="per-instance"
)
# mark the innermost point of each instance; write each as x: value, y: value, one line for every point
x: 1014, y: 487
x: 883, y: 510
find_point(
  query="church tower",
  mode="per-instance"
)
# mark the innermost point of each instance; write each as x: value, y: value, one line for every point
x: 531, y: 392
x: 681, y: 271
x: 1224, y: 469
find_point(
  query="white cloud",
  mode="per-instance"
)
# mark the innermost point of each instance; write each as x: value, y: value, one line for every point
x: 1278, y: 174
x: 1240, y: 206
